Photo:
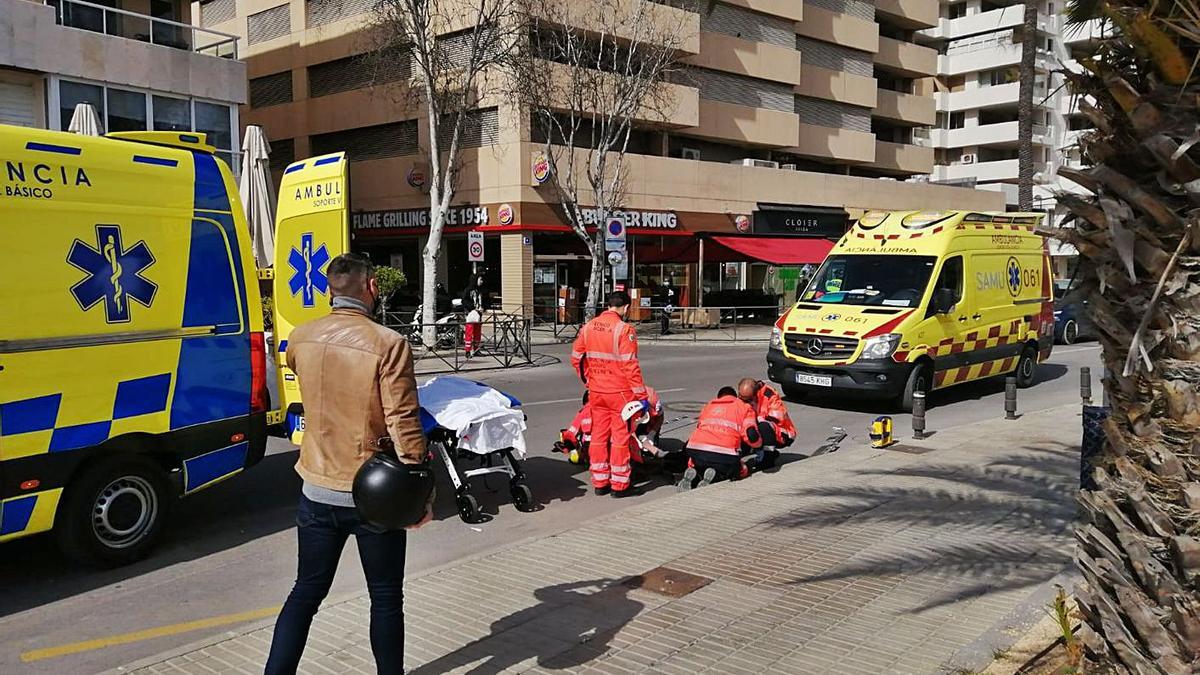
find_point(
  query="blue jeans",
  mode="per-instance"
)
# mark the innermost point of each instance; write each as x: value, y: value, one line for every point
x: 323, y: 531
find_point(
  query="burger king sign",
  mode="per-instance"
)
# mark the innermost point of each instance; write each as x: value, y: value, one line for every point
x: 541, y: 168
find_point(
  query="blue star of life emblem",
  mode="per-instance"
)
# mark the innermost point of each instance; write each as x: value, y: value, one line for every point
x: 1014, y: 276
x: 114, y: 274
x: 308, y: 270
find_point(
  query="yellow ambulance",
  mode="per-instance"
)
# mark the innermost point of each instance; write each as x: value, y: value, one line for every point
x: 912, y: 301
x: 132, y: 351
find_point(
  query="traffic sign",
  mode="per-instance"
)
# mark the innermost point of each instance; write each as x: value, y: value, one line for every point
x: 614, y: 233
x: 475, y: 246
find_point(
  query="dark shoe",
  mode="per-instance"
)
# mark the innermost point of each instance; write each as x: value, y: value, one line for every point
x: 770, y: 458
x: 710, y: 475
x: 689, y: 479
x: 600, y: 492
x: 627, y: 492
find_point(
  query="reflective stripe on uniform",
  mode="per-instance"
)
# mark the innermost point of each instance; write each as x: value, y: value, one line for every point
x: 713, y: 448
x: 620, y: 480
x: 721, y: 423
x: 605, y: 356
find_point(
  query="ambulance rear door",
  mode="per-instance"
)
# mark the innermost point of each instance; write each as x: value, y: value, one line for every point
x: 312, y: 226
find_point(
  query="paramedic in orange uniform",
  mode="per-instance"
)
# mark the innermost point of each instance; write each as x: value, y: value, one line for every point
x: 774, y: 424
x: 727, y: 428
x: 606, y: 357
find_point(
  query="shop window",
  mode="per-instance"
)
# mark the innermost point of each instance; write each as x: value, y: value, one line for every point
x: 126, y: 110
x: 71, y: 94
x: 172, y: 114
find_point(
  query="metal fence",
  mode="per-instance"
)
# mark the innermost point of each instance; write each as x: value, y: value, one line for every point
x: 504, y: 341
x: 724, y: 324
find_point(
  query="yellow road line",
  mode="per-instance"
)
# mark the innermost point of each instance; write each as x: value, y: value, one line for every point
x: 148, y: 634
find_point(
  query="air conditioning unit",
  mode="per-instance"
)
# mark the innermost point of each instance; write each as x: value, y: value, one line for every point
x: 789, y: 167
x: 750, y: 161
x: 689, y: 153
x: 968, y: 158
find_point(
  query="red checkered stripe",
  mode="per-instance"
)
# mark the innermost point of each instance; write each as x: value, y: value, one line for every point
x: 945, y: 378
x: 995, y: 336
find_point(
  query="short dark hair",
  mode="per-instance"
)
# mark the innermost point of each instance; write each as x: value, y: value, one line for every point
x: 348, y: 273
x: 618, y: 299
x: 726, y: 391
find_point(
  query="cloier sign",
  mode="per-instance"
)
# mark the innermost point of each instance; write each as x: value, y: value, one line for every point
x: 831, y: 223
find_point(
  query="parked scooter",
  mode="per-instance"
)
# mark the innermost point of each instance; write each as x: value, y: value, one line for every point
x: 446, y: 328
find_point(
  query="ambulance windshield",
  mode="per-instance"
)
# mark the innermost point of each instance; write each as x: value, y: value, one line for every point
x: 886, y: 280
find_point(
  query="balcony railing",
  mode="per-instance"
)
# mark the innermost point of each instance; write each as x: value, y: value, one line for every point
x: 134, y: 26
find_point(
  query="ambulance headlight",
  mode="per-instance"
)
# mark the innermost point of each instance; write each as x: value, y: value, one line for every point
x: 776, y: 338
x: 880, y: 346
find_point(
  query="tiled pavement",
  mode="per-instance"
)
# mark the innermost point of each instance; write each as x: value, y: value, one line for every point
x: 861, y: 561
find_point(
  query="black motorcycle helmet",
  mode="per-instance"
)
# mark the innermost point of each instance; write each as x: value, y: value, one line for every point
x: 391, y: 494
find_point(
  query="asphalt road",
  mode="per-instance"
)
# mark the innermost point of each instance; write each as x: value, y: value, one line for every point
x: 231, y: 549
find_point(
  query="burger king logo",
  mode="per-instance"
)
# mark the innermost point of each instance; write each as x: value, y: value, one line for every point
x: 742, y: 223
x: 416, y: 177
x: 505, y: 214
x: 541, y: 168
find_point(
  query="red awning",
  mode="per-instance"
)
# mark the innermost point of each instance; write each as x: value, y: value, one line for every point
x: 774, y: 250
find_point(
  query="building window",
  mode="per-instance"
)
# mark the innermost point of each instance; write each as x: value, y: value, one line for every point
x: 957, y: 120
x: 271, y: 89
x: 71, y: 94
x: 376, y: 142
x: 747, y: 25
x: 995, y: 78
x: 283, y: 152
x: 126, y: 110
x: 172, y: 114
x: 859, y: 9
x: 323, y: 12
x: 957, y: 10
x: 217, y: 11
x: 358, y: 72
x: 831, y: 114
x: 216, y: 121
x: 480, y: 128
x: 715, y: 85
x: 268, y: 24
x: 835, y: 57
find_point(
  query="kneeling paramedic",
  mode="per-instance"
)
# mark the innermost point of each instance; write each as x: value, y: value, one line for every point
x: 356, y: 380
x: 774, y: 424
x: 727, y: 430
x: 605, y: 355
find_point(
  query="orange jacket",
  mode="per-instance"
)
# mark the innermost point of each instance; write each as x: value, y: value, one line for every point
x: 606, y: 356
x: 725, y: 424
x: 771, y: 408
x: 580, y: 431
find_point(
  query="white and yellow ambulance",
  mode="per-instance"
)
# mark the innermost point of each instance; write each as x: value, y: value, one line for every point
x: 132, y: 352
x: 919, y: 300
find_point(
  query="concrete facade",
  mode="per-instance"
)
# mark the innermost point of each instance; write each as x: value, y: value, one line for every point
x: 840, y: 74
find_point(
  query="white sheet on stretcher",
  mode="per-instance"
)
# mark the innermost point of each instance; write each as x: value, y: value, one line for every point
x: 482, y: 418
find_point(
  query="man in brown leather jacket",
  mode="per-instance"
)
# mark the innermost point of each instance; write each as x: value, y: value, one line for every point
x: 356, y: 380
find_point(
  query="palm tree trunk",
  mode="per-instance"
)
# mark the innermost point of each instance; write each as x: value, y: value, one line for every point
x: 1027, y: 77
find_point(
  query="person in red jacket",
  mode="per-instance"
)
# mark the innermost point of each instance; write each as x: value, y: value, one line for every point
x: 726, y: 430
x: 774, y: 424
x: 605, y: 355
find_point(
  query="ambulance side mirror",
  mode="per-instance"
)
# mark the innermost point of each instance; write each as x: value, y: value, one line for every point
x: 942, y: 301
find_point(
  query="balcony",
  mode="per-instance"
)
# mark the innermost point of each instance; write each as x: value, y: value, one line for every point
x: 839, y: 29
x: 910, y: 14
x: 836, y: 85
x: 986, y: 55
x: 988, y: 97
x: 81, y: 40
x: 683, y: 23
x: 905, y: 108
x: 753, y: 59
x: 843, y: 145
x: 741, y: 124
x: 906, y: 58
x: 985, y: 22
x: 1003, y: 133
x: 678, y: 107
x: 1088, y: 31
x: 903, y: 158
x: 1004, y: 170
x: 143, y: 28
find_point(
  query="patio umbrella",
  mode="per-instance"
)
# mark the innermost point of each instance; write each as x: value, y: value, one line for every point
x: 84, y: 120
x: 258, y: 195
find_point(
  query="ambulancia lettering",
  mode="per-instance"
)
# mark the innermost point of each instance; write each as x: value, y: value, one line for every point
x: 46, y: 174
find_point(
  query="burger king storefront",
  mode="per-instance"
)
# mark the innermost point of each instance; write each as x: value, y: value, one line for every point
x: 534, y: 262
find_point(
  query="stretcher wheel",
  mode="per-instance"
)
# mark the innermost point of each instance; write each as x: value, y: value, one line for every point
x: 522, y: 497
x: 468, y: 508
x: 573, y: 457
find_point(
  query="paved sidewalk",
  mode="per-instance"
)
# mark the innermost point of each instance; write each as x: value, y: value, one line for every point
x: 922, y: 559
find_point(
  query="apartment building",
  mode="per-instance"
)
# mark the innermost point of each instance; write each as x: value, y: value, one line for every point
x: 142, y: 64
x: 977, y: 88
x: 792, y: 117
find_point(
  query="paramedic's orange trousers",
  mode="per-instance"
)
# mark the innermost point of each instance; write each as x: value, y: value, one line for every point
x: 609, y: 449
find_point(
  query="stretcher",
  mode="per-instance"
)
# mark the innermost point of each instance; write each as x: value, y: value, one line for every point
x: 470, y: 423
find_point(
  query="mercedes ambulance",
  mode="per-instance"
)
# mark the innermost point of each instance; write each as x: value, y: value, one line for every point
x: 132, y: 352
x: 916, y: 301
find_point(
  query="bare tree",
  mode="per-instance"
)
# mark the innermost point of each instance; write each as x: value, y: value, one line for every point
x: 590, y: 73
x: 455, y: 51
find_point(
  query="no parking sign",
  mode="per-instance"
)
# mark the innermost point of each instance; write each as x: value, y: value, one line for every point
x: 475, y: 246
x: 614, y: 233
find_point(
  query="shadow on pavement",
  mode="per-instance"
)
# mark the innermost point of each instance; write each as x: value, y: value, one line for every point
x: 971, y: 391
x: 997, y: 527
x: 565, y: 629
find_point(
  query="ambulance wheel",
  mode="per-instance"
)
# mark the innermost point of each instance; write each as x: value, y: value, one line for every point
x: 112, y: 513
x: 468, y: 508
x: 1027, y: 367
x: 920, y: 379
x: 522, y: 497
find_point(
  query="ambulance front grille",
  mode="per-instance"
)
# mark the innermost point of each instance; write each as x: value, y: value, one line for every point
x: 824, y: 347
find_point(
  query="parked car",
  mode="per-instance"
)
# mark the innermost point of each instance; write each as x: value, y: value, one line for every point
x: 1071, y: 319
